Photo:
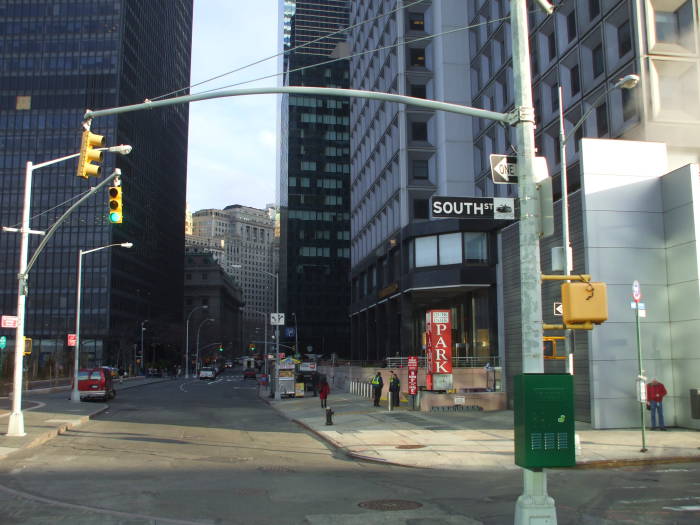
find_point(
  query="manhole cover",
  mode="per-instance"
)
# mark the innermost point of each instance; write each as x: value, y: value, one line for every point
x: 390, y: 504
x: 409, y: 447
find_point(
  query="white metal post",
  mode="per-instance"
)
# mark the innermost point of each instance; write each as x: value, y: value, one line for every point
x: 75, y: 393
x: 278, y: 395
x: 534, y: 506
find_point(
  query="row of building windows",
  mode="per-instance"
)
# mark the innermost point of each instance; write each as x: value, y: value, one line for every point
x: 448, y: 248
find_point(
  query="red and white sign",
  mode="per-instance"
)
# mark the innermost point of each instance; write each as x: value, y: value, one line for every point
x: 439, y: 342
x: 9, y: 321
x: 72, y: 339
x: 636, y: 291
x: 412, y: 375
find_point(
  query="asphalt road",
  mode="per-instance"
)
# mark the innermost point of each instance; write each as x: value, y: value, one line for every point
x: 211, y: 452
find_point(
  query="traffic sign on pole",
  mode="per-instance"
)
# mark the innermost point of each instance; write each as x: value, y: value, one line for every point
x: 277, y: 319
x: 472, y: 207
x: 504, y: 169
x: 636, y: 291
x: 9, y: 321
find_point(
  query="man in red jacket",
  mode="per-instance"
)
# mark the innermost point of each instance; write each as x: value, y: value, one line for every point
x: 655, y: 396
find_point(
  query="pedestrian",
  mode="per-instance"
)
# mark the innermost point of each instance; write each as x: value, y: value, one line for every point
x: 323, y: 393
x: 377, y: 385
x: 655, y: 396
x: 394, y: 388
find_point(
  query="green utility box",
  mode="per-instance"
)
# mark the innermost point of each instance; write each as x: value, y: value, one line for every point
x: 544, y: 420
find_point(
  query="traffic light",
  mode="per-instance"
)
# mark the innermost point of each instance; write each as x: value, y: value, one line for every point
x: 221, y: 349
x: 584, y: 304
x: 88, y: 155
x: 251, y: 347
x: 115, y: 205
x: 27, y: 346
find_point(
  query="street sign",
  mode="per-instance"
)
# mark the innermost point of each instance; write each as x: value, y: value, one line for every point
x: 412, y: 375
x: 504, y: 169
x: 9, y: 321
x: 558, y: 309
x: 289, y: 331
x: 72, y: 339
x: 472, y: 207
x: 3, y: 342
x: 636, y: 291
x: 277, y: 319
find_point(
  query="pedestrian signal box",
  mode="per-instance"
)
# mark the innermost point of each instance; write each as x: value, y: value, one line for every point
x: 27, y: 346
x: 550, y: 345
x: 584, y: 303
x: 544, y: 420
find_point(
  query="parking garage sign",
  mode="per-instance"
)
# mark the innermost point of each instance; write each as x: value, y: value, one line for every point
x: 472, y: 207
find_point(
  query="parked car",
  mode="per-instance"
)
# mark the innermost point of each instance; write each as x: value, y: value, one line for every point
x: 96, y: 383
x: 249, y: 373
x: 207, y: 373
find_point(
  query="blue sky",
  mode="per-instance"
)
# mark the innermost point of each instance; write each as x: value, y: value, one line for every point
x: 232, y: 141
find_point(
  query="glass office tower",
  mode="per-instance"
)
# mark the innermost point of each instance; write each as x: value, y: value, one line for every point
x: 56, y: 60
x: 314, y: 179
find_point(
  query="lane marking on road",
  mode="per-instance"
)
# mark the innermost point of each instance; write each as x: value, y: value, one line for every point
x: 37, y: 404
x: 688, y: 508
x: 49, y: 501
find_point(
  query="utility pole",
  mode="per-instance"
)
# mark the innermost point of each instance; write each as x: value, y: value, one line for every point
x: 534, y: 506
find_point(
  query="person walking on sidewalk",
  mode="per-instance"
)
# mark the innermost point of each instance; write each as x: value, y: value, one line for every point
x: 377, y: 385
x: 655, y: 396
x: 323, y: 392
x: 394, y: 388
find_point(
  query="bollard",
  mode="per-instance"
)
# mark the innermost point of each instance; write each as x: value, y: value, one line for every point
x: 329, y: 416
x: 391, y: 401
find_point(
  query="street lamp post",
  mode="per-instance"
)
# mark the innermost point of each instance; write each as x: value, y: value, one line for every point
x: 278, y: 396
x: 266, y: 317
x: 296, y: 333
x: 196, y: 361
x: 15, y: 425
x: 626, y: 82
x: 75, y: 393
x: 143, y: 355
x: 187, y: 339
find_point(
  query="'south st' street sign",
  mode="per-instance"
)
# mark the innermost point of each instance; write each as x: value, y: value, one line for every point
x: 472, y: 207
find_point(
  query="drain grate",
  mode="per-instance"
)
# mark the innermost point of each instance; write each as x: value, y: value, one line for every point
x: 390, y: 504
x: 409, y: 447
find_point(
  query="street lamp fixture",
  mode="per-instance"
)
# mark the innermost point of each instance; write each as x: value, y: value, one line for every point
x: 626, y: 82
x: 187, y: 339
x: 15, y: 426
x: 75, y: 393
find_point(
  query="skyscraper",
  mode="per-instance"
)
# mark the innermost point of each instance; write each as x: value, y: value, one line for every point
x: 314, y: 177
x: 56, y: 60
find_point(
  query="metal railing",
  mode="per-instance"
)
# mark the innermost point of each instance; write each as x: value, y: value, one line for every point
x: 457, y: 362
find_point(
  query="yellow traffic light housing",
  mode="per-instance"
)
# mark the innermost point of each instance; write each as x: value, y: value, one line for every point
x: 89, y: 155
x: 116, y: 215
x: 584, y: 304
x: 27, y: 346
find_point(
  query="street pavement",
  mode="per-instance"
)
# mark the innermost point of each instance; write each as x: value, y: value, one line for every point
x: 48, y: 416
x: 469, y: 440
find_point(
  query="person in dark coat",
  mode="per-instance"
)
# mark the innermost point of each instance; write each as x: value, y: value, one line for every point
x: 377, y: 385
x: 323, y: 393
x: 394, y: 388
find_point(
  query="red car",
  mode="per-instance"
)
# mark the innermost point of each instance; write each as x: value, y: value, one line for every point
x: 249, y: 373
x: 96, y: 383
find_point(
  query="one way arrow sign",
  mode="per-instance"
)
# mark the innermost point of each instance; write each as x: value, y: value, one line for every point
x: 558, y: 309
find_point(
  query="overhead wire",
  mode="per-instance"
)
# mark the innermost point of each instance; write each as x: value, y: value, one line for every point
x: 296, y: 48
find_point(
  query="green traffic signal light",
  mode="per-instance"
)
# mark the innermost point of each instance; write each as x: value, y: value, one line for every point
x: 221, y: 349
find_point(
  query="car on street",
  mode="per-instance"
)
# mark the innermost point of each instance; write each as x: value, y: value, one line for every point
x: 207, y: 373
x: 96, y: 383
x: 249, y: 373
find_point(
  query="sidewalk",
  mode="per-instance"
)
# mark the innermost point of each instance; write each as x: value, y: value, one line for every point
x: 47, y: 416
x: 470, y: 440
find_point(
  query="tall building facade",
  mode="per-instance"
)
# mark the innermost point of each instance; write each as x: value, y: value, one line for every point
x: 314, y: 178
x: 243, y: 242
x: 56, y: 60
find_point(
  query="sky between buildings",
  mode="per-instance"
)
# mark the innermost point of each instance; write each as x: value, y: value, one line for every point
x: 232, y: 141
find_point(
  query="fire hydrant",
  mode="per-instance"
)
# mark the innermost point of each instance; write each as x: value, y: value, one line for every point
x: 329, y: 416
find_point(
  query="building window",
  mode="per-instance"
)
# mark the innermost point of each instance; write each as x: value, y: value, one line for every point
x: 624, y: 39
x: 420, y: 209
x: 475, y: 247
x: 593, y: 9
x: 554, y: 97
x: 629, y: 111
x: 571, y: 25
x: 575, y: 82
x: 674, y: 27
x: 426, y: 251
x: 552, y: 45
x: 598, y: 60
x: 188, y: 276
x: 205, y: 276
x: 416, y: 21
x: 601, y: 117
x: 420, y: 168
x: 418, y: 90
x: 419, y: 131
x: 450, y: 248
x: 417, y: 57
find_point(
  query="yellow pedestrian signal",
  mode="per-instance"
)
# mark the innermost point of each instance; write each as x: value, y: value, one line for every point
x: 115, y: 205
x: 27, y: 346
x: 89, y: 155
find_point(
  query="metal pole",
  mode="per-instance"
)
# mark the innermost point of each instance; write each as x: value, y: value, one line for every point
x: 641, y: 372
x: 187, y: 346
x: 75, y: 394
x: 296, y: 334
x: 278, y: 395
x: 534, y: 505
x: 566, y: 242
x: 15, y: 425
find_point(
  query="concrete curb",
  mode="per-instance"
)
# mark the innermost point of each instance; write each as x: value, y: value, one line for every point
x: 616, y: 463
